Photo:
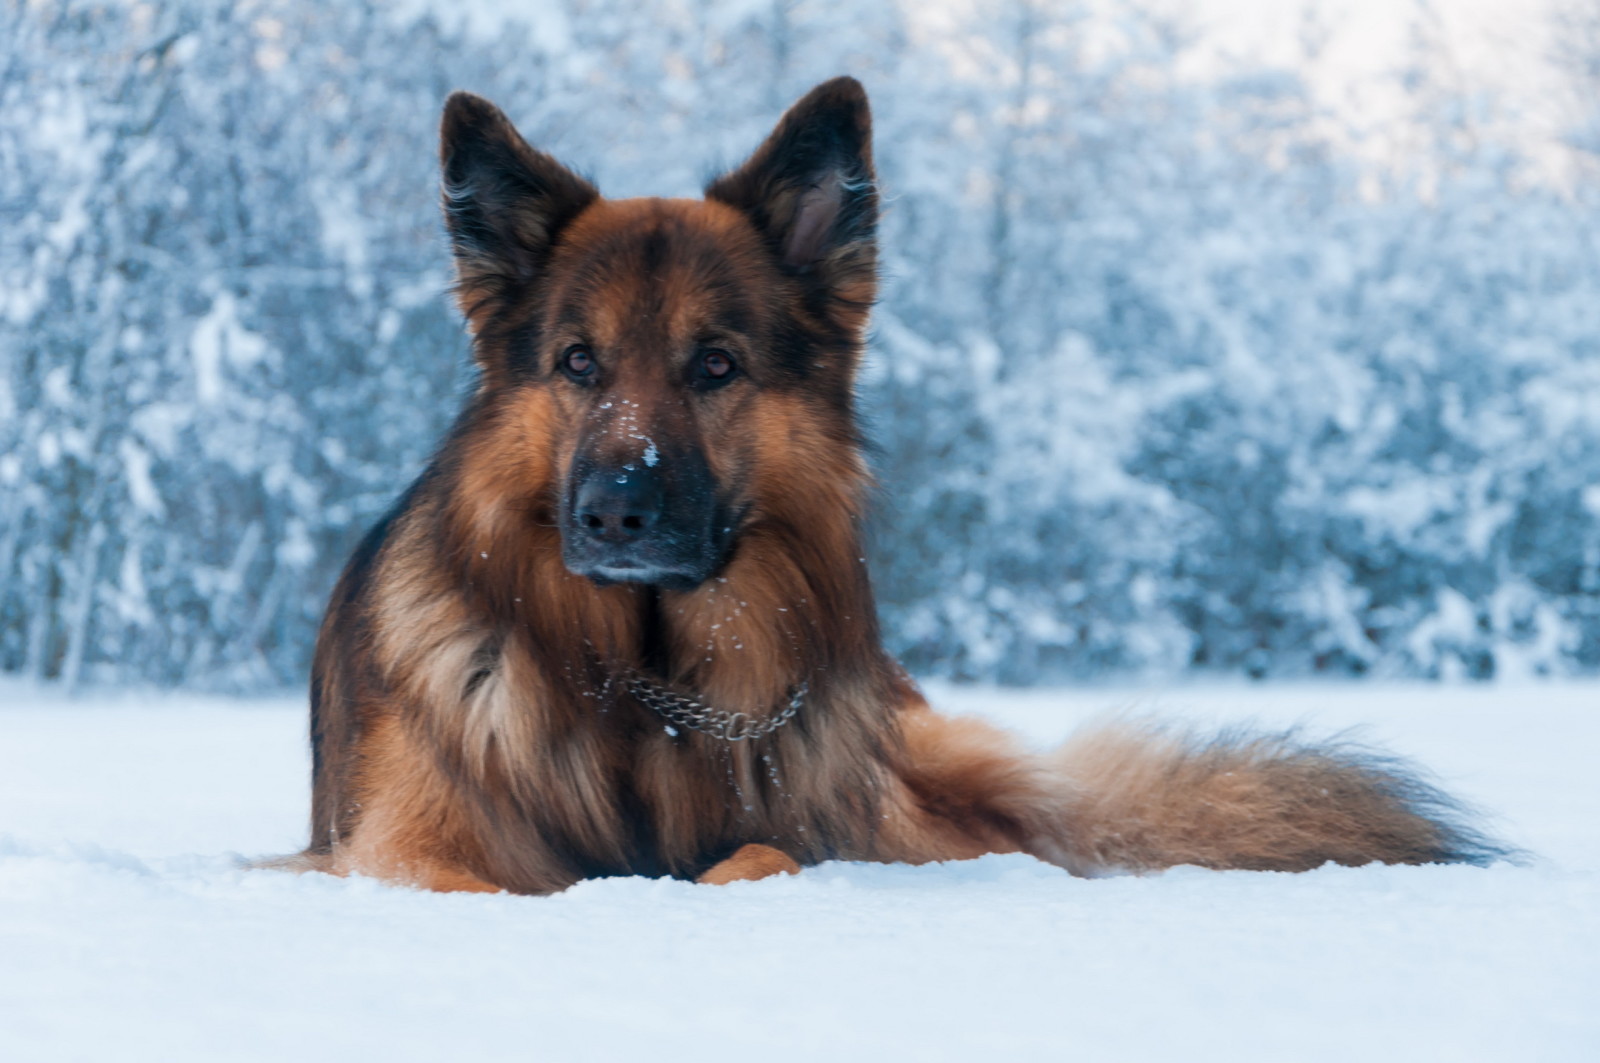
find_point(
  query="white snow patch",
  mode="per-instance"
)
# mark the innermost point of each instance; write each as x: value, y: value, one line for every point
x: 141, y: 487
x: 132, y: 932
x: 218, y: 337
x: 296, y: 550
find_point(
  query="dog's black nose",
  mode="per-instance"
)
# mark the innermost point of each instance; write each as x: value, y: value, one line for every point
x: 619, y: 505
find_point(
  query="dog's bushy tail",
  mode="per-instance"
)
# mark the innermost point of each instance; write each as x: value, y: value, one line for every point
x: 1143, y: 796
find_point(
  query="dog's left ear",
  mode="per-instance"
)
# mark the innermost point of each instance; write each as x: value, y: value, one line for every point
x: 810, y: 191
x: 505, y: 204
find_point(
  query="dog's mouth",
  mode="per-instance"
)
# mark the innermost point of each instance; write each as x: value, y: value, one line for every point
x: 628, y: 570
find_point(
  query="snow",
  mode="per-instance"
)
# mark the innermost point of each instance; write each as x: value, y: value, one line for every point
x: 130, y: 930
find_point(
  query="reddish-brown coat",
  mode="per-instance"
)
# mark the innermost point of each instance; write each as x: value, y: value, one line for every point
x: 470, y: 730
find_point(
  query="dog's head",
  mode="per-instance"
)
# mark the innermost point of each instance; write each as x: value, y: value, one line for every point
x: 675, y: 358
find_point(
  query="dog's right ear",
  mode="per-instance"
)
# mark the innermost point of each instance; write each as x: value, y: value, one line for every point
x: 504, y: 203
x: 809, y: 189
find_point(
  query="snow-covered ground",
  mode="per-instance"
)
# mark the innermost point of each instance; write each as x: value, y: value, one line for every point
x: 129, y: 931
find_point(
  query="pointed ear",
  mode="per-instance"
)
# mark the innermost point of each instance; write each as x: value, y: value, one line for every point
x: 810, y: 191
x: 504, y: 202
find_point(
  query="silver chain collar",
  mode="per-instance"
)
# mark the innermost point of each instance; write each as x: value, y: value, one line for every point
x: 696, y: 715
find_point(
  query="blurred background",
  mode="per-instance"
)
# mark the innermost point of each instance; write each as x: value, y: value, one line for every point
x: 1233, y: 337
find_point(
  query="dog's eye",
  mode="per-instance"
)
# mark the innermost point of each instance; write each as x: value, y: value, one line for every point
x: 716, y: 366
x: 578, y: 361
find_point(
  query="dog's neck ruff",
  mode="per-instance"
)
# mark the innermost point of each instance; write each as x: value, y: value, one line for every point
x: 688, y: 711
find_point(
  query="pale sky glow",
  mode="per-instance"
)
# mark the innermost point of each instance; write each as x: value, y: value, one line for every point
x: 1501, y: 45
x: 1489, y: 38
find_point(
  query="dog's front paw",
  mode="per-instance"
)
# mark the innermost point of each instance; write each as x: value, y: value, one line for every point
x: 750, y: 862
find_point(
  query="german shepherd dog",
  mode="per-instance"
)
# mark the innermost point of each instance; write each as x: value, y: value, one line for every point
x: 622, y: 624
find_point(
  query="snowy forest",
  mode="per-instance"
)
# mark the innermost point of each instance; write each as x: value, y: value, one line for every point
x: 1164, y: 379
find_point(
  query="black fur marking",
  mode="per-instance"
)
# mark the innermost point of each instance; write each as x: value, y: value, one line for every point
x: 1404, y: 782
x: 334, y: 727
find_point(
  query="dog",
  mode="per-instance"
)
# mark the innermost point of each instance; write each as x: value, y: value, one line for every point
x: 622, y: 624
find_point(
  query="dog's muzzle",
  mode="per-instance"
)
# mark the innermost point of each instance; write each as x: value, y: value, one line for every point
x: 623, y: 524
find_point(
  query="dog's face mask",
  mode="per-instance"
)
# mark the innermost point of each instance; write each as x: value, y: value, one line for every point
x: 669, y: 340
x: 655, y: 350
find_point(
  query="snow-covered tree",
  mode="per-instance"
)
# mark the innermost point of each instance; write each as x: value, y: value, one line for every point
x: 1162, y: 378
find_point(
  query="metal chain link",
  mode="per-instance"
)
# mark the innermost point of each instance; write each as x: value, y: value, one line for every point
x: 691, y: 712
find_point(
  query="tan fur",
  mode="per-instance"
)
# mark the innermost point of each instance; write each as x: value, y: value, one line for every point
x: 1149, y: 797
x: 471, y: 727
